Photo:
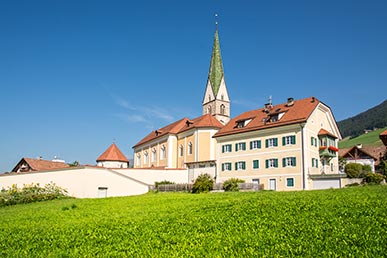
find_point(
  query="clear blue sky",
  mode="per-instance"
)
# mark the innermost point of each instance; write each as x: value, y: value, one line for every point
x: 73, y: 74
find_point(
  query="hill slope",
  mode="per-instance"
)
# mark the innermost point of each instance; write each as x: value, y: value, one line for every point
x: 375, y: 117
x: 367, y: 139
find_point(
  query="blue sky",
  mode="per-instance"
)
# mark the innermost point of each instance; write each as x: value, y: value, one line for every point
x: 74, y: 74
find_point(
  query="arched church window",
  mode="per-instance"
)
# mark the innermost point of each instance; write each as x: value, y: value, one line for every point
x: 181, y: 151
x: 209, y: 110
x: 222, y: 109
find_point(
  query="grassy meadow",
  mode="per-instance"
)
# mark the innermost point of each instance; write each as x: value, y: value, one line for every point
x: 347, y: 222
x: 367, y: 139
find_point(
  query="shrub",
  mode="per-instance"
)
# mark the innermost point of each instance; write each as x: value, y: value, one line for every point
x: 203, y: 183
x: 165, y: 182
x: 373, y: 178
x: 31, y: 193
x: 353, y: 170
x: 231, y: 185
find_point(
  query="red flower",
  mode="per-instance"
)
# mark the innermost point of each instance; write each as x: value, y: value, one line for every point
x: 333, y: 148
x: 323, y: 147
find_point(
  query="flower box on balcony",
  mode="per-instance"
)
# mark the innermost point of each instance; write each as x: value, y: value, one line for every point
x: 333, y: 148
x: 323, y: 147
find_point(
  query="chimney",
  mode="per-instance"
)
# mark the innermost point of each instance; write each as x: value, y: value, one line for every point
x: 290, y: 102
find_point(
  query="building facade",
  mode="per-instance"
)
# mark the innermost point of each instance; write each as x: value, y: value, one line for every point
x: 281, y: 147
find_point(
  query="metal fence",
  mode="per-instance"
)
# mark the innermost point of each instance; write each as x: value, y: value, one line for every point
x: 216, y: 187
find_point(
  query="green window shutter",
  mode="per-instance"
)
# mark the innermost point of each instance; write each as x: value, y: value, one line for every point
x: 275, y: 142
x: 243, y: 165
x: 283, y: 141
x: 276, y: 163
x: 316, y: 163
x: 267, y: 163
x: 293, y: 139
x: 236, y: 146
x: 259, y: 144
x: 312, y: 162
x: 294, y: 161
x: 222, y: 166
x: 251, y: 145
x: 222, y: 148
x: 312, y: 141
x: 236, y: 165
x: 267, y: 143
x: 244, y: 146
x: 230, y: 147
x: 283, y: 162
x: 256, y: 164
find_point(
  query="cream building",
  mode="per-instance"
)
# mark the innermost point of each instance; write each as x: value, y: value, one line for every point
x: 291, y: 146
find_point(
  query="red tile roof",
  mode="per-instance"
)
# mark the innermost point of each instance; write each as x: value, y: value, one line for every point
x: 40, y: 164
x: 325, y: 132
x: 297, y: 112
x: 181, y: 126
x: 113, y: 153
x: 383, y: 137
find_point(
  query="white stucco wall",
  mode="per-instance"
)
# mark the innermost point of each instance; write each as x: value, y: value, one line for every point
x: 80, y: 182
x: 150, y: 176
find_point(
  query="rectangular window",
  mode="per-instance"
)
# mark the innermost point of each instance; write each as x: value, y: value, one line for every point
x: 272, y: 163
x: 272, y: 142
x: 290, y: 182
x: 226, y: 166
x: 255, y: 164
x: 255, y: 145
x: 190, y: 148
x: 240, y: 146
x: 314, y: 163
x: 289, y: 162
x: 226, y: 148
x: 313, y: 141
x: 289, y: 140
x: 240, y: 165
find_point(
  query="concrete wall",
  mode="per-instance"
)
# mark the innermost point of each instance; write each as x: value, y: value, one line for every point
x: 150, y: 176
x: 85, y: 182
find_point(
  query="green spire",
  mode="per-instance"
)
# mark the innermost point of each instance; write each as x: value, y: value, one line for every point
x: 216, y: 67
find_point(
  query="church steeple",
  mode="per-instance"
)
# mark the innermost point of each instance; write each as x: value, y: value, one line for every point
x: 216, y: 72
x: 216, y: 100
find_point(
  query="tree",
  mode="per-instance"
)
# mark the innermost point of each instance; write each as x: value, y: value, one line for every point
x: 74, y: 164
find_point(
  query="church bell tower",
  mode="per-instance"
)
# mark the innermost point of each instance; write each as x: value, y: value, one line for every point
x: 216, y: 100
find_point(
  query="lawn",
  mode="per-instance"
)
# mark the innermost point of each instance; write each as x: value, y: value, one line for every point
x: 347, y: 222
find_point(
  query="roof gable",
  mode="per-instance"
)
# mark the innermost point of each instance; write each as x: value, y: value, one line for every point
x: 272, y: 116
x: 113, y: 153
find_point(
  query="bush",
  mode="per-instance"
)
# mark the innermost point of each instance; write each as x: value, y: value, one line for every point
x: 31, y: 193
x: 353, y: 170
x: 231, y: 185
x: 203, y: 183
x: 373, y: 178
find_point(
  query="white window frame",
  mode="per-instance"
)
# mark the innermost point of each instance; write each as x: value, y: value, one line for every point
x: 154, y: 155
x: 163, y: 152
x: 227, y: 166
x: 271, y: 142
x: 255, y: 144
x: 190, y: 148
x: 289, y: 162
x: 227, y: 148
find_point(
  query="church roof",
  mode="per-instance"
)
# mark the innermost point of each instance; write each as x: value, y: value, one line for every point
x: 113, y: 153
x: 216, y: 72
x: 182, y: 125
x: 273, y: 116
x: 39, y: 164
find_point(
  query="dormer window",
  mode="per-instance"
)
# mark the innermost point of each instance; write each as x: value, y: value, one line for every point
x: 242, y: 123
x: 276, y: 116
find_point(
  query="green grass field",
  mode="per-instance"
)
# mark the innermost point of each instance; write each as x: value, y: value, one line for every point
x: 327, y: 223
x: 369, y: 139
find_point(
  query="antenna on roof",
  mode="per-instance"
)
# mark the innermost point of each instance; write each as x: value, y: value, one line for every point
x: 270, y: 101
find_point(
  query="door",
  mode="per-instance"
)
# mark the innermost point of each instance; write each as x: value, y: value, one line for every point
x: 272, y: 184
x: 102, y: 192
x: 255, y: 184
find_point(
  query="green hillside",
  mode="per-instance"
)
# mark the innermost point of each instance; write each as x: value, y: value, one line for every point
x: 375, y: 117
x: 367, y: 139
x: 327, y: 223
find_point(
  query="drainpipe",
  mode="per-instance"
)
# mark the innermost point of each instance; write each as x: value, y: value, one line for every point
x: 303, y: 158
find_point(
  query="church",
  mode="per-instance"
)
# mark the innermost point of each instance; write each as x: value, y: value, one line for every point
x: 288, y: 146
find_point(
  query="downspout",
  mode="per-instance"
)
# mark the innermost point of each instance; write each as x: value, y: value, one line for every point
x: 303, y: 158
